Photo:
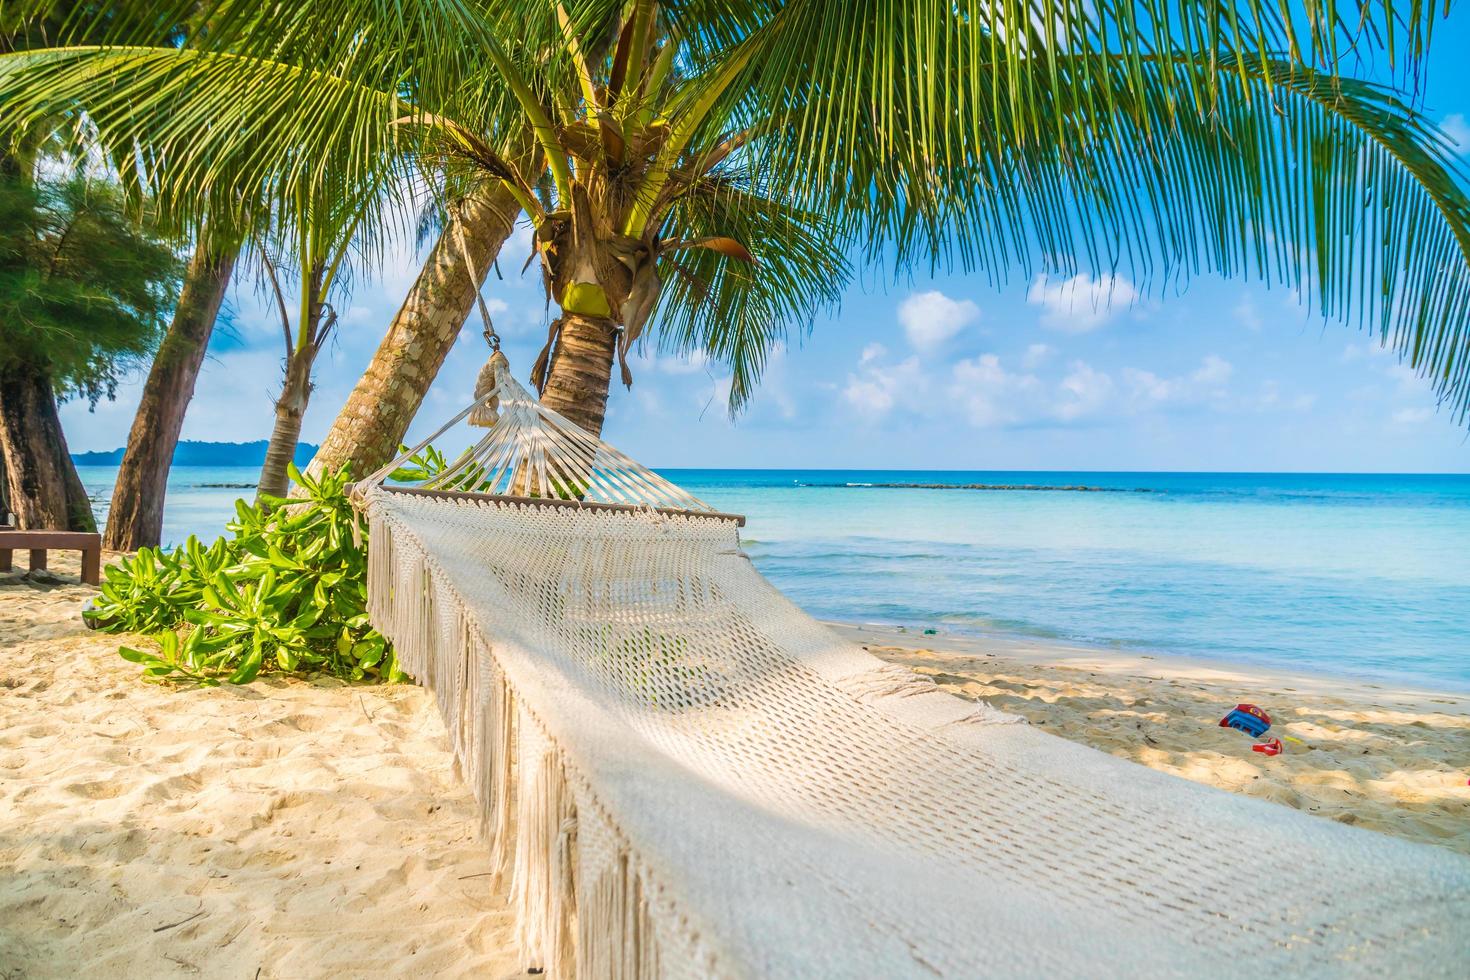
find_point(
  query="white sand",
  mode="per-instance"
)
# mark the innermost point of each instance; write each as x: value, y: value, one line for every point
x: 293, y: 829
x: 1394, y: 759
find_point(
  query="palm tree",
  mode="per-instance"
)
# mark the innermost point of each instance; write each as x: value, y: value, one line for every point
x: 709, y: 163
x: 135, y: 516
x: 316, y: 317
x: 135, y: 513
x: 60, y: 489
x: 372, y: 424
x: 335, y: 232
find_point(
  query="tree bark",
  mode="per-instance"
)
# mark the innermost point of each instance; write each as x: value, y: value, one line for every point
x: 370, y: 427
x: 290, y: 410
x: 581, y: 370
x: 135, y: 518
x: 45, y: 490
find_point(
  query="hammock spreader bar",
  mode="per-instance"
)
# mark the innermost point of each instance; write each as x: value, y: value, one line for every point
x: 531, y: 455
x: 506, y: 498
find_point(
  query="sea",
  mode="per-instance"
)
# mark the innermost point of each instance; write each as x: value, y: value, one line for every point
x: 1365, y: 576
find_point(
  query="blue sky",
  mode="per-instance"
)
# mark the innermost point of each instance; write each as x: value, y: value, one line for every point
x: 933, y: 373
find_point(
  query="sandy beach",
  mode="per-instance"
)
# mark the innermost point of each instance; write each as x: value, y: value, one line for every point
x: 1375, y: 755
x: 283, y: 829
x: 291, y: 829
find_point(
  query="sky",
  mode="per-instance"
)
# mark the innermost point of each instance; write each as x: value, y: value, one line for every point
x: 945, y: 372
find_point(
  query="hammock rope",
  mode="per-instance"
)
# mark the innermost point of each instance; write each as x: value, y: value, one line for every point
x: 532, y: 452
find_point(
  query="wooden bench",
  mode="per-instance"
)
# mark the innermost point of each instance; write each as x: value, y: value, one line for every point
x: 39, y: 542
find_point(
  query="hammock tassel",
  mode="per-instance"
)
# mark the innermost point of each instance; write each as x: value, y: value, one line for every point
x: 543, y: 888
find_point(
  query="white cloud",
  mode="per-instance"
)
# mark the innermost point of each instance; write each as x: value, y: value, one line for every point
x: 398, y: 271
x: 930, y: 318
x: 239, y: 389
x: 715, y: 397
x: 1084, y: 391
x: 989, y: 395
x: 647, y: 360
x: 1271, y: 399
x: 1081, y: 303
x: 1213, y: 372
x: 1147, y: 387
x: 1412, y: 416
x: 1205, y: 383
x: 691, y: 363
x: 774, y: 393
x: 648, y: 400
x: 1036, y: 355
x: 1457, y: 128
x: 517, y: 249
x: 878, y: 389
x: 1368, y: 350
x: 988, y: 392
x: 775, y: 386
x: 1408, y: 380
x: 358, y: 317
x: 102, y: 428
x: 1247, y: 315
x: 873, y: 352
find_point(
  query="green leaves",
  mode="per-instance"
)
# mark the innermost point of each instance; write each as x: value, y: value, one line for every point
x: 1156, y: 138
x: 737, y: 310
x: 1159, y: 138
x: 85, y: 292
x: 420, y: 466
x: 286, y: 594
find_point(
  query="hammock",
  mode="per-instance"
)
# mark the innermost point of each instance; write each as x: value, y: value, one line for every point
x: 686, y: 776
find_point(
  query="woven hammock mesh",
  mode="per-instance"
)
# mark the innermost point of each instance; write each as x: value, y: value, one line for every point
x: 684, y: 775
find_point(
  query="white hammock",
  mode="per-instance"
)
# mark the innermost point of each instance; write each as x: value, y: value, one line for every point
x: 686, y: 776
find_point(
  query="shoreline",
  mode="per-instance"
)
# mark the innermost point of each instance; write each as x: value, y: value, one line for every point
x: 1056, y: 652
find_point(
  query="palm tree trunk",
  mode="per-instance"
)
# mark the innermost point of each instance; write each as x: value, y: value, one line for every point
x: 367, y: 432
x: 4, y: 492
x: 290, y: 410
x: 581, y: 370
x: 135, y: 518
x: 45, y: 490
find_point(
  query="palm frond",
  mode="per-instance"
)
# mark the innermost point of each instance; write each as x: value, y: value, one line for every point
x: 1158, y: 137
x: 735, y: 311
x: 1090, y: 136
x: 213, y: 133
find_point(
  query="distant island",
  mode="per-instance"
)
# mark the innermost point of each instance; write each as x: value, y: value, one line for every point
x: 204, y: 454
x: 1070, y: 487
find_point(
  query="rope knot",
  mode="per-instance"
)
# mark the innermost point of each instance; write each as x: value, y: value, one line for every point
x: 487, y: 413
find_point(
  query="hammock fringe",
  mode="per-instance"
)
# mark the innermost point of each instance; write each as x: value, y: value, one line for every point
x: 579, y: 911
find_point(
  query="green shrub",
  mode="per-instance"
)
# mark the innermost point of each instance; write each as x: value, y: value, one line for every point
x: 286, y: 594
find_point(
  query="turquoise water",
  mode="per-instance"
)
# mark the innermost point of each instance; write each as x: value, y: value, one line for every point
x: 1360, y: 575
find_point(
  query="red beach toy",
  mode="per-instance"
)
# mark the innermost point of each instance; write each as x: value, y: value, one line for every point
x: 1272, y: 747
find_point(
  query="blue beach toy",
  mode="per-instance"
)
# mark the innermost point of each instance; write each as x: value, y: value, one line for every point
x: 1247, y: 718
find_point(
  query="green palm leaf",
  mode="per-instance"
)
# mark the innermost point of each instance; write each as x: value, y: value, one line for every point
x: 1159, y: 137
x: 735, y: 311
